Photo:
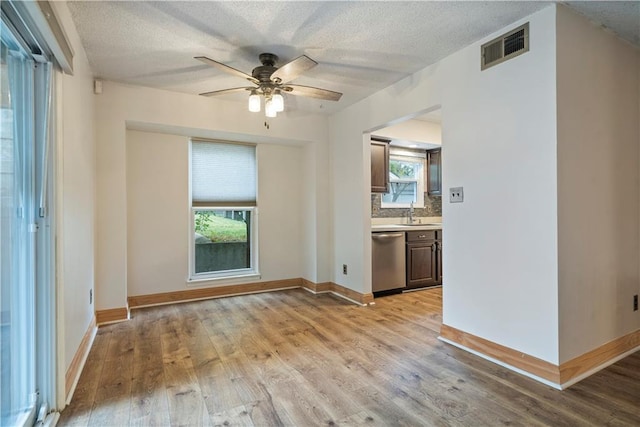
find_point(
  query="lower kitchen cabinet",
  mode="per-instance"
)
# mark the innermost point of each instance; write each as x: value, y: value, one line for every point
x: 424, y: 258
x: 439, y: 258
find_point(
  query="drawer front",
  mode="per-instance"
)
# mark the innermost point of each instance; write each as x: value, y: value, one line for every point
x: 418, y: 236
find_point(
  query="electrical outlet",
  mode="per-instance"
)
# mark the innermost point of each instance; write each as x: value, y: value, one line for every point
x: 635, y: 302
x: 456, y: 195
x: 90, y: 296
x: 344, y: 268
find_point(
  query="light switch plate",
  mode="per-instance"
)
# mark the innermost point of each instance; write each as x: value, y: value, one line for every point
x: 456, y: 195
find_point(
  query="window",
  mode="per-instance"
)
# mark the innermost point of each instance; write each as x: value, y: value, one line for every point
x: 223, y: 241
x: 27, y: 277
x: 223, y: 210
x: 406, y: 180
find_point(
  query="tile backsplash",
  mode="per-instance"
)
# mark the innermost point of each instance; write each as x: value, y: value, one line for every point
x: 432, y: 208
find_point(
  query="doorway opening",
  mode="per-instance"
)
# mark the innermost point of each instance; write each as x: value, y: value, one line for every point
x: 406, y: 204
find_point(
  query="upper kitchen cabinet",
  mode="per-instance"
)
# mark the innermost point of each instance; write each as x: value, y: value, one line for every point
x: 434, y: 172
x: 379, y: 165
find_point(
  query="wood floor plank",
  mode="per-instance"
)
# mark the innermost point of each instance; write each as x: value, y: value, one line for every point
x: 186, y: 403
x: 381, y: 409
x: 236, y: 416
x: 517, y: 392
x: 256, y: 397
x: 292, y: 358
x: 110, y: 412
x: 87, y: 387
x: 112, y: 401
x: 302, y: 408
x: 149, y: 404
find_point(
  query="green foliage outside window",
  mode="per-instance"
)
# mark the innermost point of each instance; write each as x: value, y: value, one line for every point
x: 402, y: 169
x: 203, y: 221
x: 217, y: 228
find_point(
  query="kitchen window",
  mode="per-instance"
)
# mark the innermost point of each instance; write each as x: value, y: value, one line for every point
x: 406, y: 180
x: 223, y: 211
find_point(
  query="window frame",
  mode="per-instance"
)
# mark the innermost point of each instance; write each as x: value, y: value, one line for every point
x: 243, y: 273
x: 225, y: 276
x: 413, y: 157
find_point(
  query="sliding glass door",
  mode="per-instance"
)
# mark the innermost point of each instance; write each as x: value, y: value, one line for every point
x: 27, y: 303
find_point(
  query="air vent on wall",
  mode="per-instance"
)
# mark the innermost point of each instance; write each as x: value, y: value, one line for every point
x: 507, y: 46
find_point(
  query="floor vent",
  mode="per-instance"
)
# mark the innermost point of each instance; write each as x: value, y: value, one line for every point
x: 505, y: 47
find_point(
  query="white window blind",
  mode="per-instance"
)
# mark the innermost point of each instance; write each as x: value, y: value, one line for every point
x: 223, y: 174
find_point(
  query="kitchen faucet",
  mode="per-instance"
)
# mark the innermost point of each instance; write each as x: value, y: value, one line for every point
x: 410, y: 213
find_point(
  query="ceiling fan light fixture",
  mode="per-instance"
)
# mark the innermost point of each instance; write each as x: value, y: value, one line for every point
x: 278, y: 101
x: 269, y: 82
x: 269, y: 108
x: 254, y: 102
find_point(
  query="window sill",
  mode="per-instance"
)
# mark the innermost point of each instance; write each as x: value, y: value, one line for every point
x: 222, y: 280
x: 401, y: 206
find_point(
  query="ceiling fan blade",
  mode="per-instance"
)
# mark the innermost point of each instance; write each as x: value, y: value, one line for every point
x: 226, y: 91
x: 313, y: 92
x: 293, y: 69
x: 225, y: 68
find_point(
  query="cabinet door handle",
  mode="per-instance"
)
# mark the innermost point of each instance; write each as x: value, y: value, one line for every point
x: 421, y: 236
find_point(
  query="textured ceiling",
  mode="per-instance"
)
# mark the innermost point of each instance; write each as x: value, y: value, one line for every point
x: 361, y: 47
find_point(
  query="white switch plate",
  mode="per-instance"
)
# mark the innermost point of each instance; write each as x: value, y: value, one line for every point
x: 456, y: 195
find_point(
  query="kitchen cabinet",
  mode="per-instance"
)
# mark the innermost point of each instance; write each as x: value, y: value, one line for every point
x: 379, y: 165
x: 434, y: 172
x: 439, y: 257
x: 424, y: 258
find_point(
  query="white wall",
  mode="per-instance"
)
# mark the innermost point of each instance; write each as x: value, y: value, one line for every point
x: 598, y: 189
x: 121, y: 107
x: 500, y: 245
x: 317, y: 239
x: 499, y: 142
x: 413, y: 130
x: 280, y: 217
x: 309, y: 206
x: 158, y: 212
x: 76, y: 193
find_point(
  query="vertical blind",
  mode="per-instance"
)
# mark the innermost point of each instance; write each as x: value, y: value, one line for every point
x: 223, y: 174
x: 17, y: 392
x: 27, y: 297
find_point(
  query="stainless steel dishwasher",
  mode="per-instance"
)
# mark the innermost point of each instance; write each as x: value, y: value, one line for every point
x: 388, y: 261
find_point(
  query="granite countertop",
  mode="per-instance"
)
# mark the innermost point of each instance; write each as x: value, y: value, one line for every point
x: 406, y: 227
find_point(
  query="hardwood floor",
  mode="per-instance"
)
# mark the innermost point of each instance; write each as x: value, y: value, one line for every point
x: 294, y: 358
